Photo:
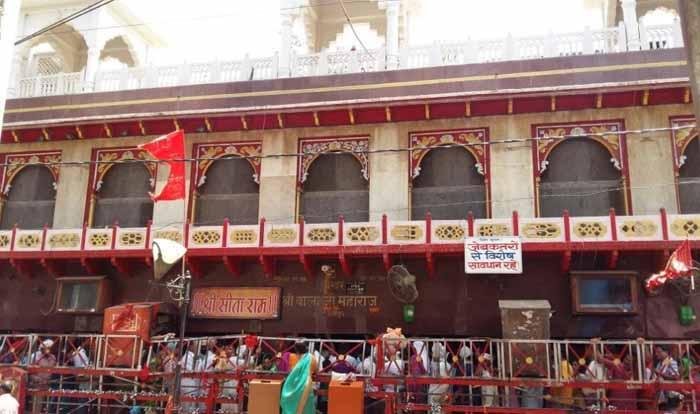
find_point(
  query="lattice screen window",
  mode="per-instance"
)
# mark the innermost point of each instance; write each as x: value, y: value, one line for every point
x: 449, y: 186
x: 48, y: 64
x: 580, y: 178
x: 335, y: 186
x: 30, y: 200
x: 229, y: 191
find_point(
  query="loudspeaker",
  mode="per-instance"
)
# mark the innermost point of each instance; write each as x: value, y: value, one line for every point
x: 165, y: 254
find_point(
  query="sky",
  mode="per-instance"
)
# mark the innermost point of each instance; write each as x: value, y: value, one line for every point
x: 230, y: 29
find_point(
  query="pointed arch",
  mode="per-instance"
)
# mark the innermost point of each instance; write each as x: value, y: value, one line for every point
x: 333, y: 181
x: 686, y: 154
x: 449, y: 174
x: 588, y: 185
x: 118, y: 189
x: 227, y: 177
x: 29, y: 182
x: 30, y: 200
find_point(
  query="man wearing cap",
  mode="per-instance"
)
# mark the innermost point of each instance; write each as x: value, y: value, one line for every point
x: 8, y: 403
x: 46, y: 359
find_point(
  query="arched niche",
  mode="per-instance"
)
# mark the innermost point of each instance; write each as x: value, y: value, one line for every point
x: 580, y: 177
x: 119, y: 49
x: 30, y: 199
x: 449, y: 185
x: 122, y: 196
x: 228, y: 190
x: 334, y: 185
x: 61, y: 50
x: 689, y: 177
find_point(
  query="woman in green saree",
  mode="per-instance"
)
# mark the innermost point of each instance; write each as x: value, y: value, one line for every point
x: 297, y: 391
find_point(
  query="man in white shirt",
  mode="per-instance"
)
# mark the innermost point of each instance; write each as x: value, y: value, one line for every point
x: 8, y: 403
x: 205, y: 363
x: 188, y: 385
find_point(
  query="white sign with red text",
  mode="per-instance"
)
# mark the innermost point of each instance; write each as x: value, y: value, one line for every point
x: 493, y: 255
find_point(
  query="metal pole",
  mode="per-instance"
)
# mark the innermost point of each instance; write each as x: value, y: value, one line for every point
x: 184, y: 308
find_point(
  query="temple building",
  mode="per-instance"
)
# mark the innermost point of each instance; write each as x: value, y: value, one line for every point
x: 319, y: 168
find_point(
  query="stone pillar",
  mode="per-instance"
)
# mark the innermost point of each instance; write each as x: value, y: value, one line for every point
x: 629, y: 13
x: 285, y: 56
x: 72, y: 182
x: 392, y: 34
x: 690, y: 16
x: 11, y: 72
x: 17, y: 71
x: 93, y: 62
x: 278, y: 187
x: 388, y: 175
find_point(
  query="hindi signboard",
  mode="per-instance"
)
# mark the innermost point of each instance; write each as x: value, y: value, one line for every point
x: 236, y: 303
x: 493, y: 255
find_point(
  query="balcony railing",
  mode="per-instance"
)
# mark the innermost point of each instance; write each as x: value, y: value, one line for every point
x: 588, y: 42
x: 555, y: 233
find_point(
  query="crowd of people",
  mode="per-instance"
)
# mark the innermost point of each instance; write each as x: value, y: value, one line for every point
x: 398, y: 358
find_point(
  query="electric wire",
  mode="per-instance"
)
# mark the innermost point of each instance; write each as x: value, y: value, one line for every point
x: 352, y: 26
x: 360, y: 151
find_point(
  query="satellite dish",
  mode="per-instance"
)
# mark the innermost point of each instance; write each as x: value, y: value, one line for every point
x: 165, y: 254
x: 402, y: 284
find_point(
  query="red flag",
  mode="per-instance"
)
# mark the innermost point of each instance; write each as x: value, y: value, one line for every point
x: 679, y: 264
x: 169, y: 147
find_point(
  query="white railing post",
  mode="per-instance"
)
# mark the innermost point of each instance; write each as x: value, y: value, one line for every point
x: 469, y: 51
x: 275, y: 65
x: 621, y: 37
x: 509, y: 50
x: 354, y: 64
x: 629, y: 13
x: 124, y: 79
x: 322, y: 66
x: 61, y: 80
x: 587, y: 41
x: 184, y: 75
x: 677, y: 33
x: 37, y: 86
x: 379, y: 59
x: 435, y: 54
x: 152, y: 77
x: 246, y: 67
x: 549, y: 48
x: 404, y: 58
x: 644, y: 39
x: 215, y: 71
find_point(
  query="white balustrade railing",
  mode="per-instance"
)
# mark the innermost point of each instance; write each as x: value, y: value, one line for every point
x: 588, y: 42
x: 554, y: 232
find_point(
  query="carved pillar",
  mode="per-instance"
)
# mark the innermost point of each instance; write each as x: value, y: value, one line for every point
x: 392, y: 35
x: 285, y: 55
x: 93, y: 62
x: 629, y: 13
x: 18, y: 70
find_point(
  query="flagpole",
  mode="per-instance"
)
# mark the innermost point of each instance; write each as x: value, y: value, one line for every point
x: 170, y: 149
x: 184, y: 307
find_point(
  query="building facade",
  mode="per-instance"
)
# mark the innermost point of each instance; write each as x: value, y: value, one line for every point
x: 320, y: 184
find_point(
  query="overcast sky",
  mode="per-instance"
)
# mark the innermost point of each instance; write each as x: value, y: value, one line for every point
x: 228, y: 29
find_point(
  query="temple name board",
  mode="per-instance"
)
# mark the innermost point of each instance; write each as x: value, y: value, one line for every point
x: 493, y: 255
x: 236, y: 303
